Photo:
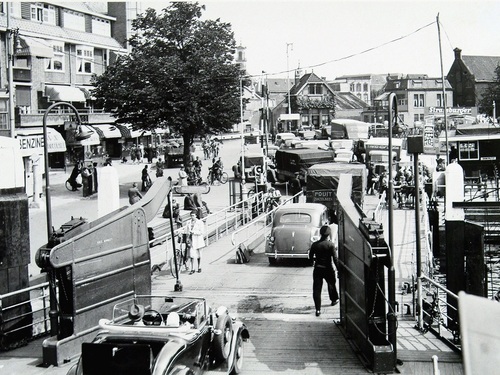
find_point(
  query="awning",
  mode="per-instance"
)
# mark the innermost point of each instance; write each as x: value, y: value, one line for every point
x: 91, y: 141
x: 107, y: 131
x: 87, y: 92
x: 127, y: 132
x: 31, y: 141
x: 35, y: 47
x: 64, y: 94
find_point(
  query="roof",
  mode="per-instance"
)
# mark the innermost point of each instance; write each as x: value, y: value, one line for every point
x: 483, y: 67
x: 304, y: 80
x: 347, y: 100
x: 278, y: 85
x: 51, y: 32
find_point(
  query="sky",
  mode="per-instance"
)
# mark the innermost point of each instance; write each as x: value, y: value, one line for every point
x: 340, y: 37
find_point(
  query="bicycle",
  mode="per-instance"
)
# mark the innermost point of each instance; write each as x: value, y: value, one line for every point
x: 221, y: 177
x: 180, y: 255
x: 69, y: 186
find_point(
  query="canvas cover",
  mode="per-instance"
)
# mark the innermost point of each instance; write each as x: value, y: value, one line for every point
x: 300, y: 159
x: 325, y: 177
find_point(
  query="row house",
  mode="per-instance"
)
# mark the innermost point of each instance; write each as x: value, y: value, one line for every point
x: 419, y: 99
x: 51, y: 51
x: 310, y: 103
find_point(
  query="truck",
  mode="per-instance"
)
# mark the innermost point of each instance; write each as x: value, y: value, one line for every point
x: 377, y: 152
x: 323, y: 180
x: 290, y: 161
x: 174, y: 153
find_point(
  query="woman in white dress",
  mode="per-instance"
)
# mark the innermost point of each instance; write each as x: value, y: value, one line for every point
x: 195, y: 229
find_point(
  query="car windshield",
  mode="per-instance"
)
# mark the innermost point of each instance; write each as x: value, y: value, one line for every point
x: 193, y: 307
x: 295, y: 218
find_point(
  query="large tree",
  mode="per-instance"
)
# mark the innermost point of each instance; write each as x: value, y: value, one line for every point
x: 491, y: 94
x: 179, y: 74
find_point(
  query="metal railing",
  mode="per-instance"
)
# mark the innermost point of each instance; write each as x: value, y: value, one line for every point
x: 437, y: 313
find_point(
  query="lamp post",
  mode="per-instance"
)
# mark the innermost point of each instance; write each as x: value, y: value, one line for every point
x: 46, y: 161
x: 288, y: 77
x: 54, y: 324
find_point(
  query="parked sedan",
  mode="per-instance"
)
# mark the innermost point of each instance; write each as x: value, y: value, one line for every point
x: 295, y: 227
x: 164, y: 335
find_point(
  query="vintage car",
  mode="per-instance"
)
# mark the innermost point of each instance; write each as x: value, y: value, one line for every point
x: 164, y: 335
x: 295, y: 227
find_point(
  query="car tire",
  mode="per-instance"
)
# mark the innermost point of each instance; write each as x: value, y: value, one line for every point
x: 222, y: 341
x: 272, y: 261
x: 238, y: 356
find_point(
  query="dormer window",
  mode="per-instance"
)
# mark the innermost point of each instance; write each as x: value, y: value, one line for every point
x: 315, y: 89
x: 43, y: 13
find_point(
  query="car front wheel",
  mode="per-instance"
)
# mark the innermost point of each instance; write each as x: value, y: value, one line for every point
x: 222, y: 340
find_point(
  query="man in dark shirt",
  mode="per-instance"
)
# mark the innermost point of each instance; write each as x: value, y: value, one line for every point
x: 322, y: 252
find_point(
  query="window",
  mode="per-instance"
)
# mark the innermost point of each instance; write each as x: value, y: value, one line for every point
x: 84, y: 59
x: 304, y: 119
x: 468, y: 150
x: 324, y: 119
x: 74, y: 20
x: 418, y: 117
x: 439, y: 100
x: 295, y: 217
x: 101, y: 26
x: 43, y: 13
x: 402, y: 101
x: 365, y: 87
x: 418, y: 100
x: 57, y: 62
x: 351, y: 87
x: 315, y: 89
x: 4, y: 119
x: 358, y: 87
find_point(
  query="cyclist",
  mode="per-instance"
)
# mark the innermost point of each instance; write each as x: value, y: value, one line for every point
x: 216, y: 169
x: 74, y: 174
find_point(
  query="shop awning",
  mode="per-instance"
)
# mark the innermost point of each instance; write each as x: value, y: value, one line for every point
x: 91, y: 141
x: 31, y: 141
x: 107, y: 131
x: 128, y: 132
x: 87, y: 92
x: 35, y: 47
x: 64, y: 94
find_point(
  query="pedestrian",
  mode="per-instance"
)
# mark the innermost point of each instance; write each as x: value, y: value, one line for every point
x: 134, y: 195
x: 195, y: 229
x: 189, y: 203
x: 96, y: 181
x: 86, y: 181
x: 77, y: 169
x: 322, y: 252
x: 159, y: 168
x: 183, y: 177
x: 295, y: 187
x: 176, y: 211
x: 146, y: 180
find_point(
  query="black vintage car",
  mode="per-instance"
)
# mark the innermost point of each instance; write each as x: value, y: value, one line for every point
x: 154, y: 335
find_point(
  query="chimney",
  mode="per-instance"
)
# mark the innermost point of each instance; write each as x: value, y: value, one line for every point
x: 458, y: 53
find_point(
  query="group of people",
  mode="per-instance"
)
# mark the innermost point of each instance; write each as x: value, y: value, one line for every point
x: 88, y: 173
x: 211, y: 148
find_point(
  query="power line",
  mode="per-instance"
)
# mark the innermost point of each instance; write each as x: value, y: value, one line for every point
x: 356, y: 54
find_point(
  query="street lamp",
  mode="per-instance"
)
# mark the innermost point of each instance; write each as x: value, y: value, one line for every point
x: 46, y: 160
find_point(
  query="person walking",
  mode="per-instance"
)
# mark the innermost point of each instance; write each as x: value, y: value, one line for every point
x: 194, y: 230
x: 133, y: 194
x: 77, y: 169
x: 146, y: 180
x: 86, y: 181
x: 96, y: 179
x: 183, y: 177
x: 322, y: 252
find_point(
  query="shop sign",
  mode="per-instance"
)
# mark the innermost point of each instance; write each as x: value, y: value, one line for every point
x: 323, y: 196
x: 450, y: 111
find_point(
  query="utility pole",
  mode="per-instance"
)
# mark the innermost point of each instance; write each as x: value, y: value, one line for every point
x: 444, y: 93
x: 288, y: 76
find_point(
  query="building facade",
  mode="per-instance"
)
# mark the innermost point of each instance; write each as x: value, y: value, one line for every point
x: 51, y: 51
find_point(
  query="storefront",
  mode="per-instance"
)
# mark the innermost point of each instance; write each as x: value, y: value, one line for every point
x: 31, y: 144
x: 111, y: 139
x: 82, y: 150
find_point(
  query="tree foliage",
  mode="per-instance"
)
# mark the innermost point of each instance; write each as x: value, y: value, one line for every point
x: 179, y: 74
x: 491, y: 94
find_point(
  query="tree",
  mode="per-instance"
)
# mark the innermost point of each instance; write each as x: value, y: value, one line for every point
x: 180, y: 74
x: 491, y: 94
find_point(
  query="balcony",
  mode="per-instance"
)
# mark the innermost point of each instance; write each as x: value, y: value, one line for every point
x: 25, y: 117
